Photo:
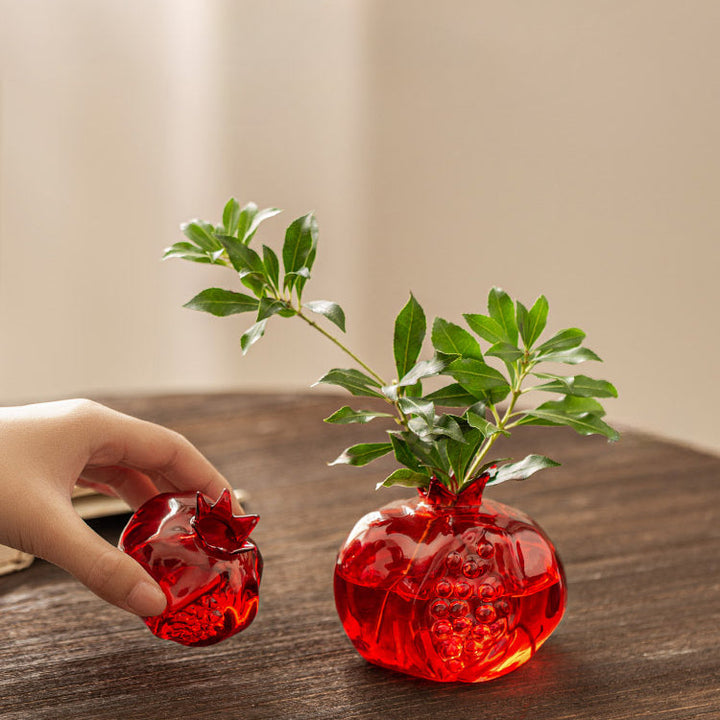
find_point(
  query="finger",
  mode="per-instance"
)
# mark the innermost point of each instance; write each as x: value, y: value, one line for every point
x: 98, y: 487
x: 124, y: 440
x: 161, y: 482
x: 107, y: 571
x: 131, y: 485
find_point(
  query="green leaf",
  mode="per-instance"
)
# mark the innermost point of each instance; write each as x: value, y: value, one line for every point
x: 346, y: 415
x: 480, y: 423
x: 187, y: 251
x: 272, y: 266
x: 521, y: 315
x: 362, y: 454
x: 209, y: 228
x: 247, y: 213
x: 479, y: 379
x: 460, y: 454
x: 485, y: 327
x: 523, y: 469
x: 502, y: 310
x: 535, y: 323
x: 574, y: 405
x: 255, y: 281
x: 584, y: 424
x: 564, y: 340
x: 300, y: 239
x: 414, y: 390
x: 574, y: 356
x: 221, y: 303
x: 403, y: 454
x: 415, y: 406
x: 420, y: 427
x: 302, y: 274
x: 269, y: 307
x: 297, y: 278
x: 451, y: 339
x: 241, y: 256
x: 580, y: 385
x: 490, y: 467
x: 354, y: 381
x: 311, y: 258
x: 391, y: 392
x: 332, y: 311
x: 479, y: 408
x: 427, y: 453
x: 300, y: 278
x: 252, y: 335
x: 406, y: 478
x: 505, y: 351
x: 201, y: 234
x: 231, y: 217
x: 454, y: 395
x: 259, y: 217
x: 448, y: 426
x: 425, y: 368
x: 408, y: 336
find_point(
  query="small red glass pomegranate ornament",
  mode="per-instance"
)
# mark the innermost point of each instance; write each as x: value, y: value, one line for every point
x: 202, y: 558
x: 449, y: 586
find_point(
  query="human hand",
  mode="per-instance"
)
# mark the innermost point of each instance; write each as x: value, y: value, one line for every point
x: 46, y: 448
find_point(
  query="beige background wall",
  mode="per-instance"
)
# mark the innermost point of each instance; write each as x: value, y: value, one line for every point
x: 559, y: 147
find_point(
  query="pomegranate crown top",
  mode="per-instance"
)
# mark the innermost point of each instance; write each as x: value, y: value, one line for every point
x: 218, y: 530
x: 438, y: 494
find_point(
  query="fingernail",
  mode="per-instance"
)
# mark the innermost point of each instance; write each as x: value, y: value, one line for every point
x: 146, y: 600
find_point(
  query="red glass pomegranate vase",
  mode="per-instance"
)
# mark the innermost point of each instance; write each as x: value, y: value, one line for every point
x: 449, y: 587
x: 202, y: 558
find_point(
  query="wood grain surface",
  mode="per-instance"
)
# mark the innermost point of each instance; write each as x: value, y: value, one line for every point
x: 637, y: 524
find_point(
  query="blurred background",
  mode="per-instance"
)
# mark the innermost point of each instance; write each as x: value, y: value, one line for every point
x: 558, y: 147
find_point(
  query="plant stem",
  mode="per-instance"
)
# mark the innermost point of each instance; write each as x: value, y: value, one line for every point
x: 502, y: 423
x: 345, y: 349
x: 402, y: 417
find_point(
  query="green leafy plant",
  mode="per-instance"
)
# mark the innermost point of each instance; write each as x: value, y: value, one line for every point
x: 484, y: 387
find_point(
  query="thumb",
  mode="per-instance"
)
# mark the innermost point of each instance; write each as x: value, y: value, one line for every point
x: 107, y: 571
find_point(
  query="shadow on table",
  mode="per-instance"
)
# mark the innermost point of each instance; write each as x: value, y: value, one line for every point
x: 555, y: 679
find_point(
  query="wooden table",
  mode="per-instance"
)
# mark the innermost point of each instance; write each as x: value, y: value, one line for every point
x: 637, y: 524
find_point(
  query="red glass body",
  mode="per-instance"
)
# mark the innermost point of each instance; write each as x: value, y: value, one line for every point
x: 449, y: 587
x: 209, y: 570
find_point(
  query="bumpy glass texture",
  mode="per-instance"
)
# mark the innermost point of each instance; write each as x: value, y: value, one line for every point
x: 449, y: 587
x: 201, y: 556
